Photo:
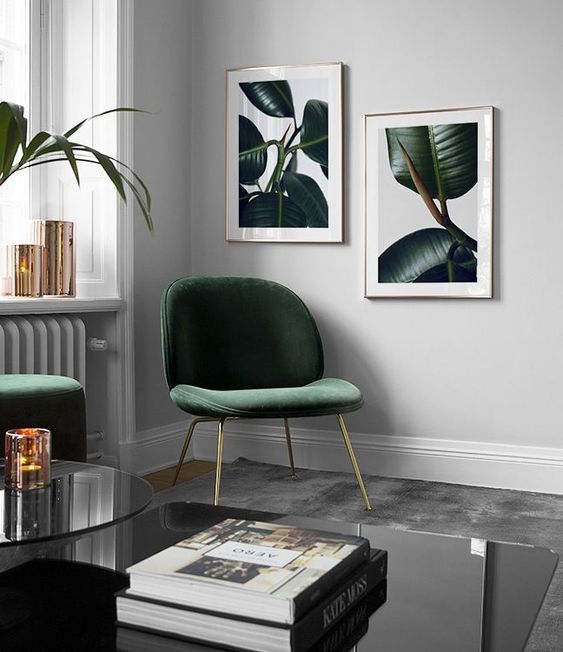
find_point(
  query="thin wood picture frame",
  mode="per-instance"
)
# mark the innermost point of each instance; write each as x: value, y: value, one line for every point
x: 428, y: 203
x: 284, y: 176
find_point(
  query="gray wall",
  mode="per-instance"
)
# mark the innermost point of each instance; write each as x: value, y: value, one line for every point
x: 162, y: 144
x: 477, y: 370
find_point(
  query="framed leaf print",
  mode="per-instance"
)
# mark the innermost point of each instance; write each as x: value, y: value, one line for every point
x: 428, y: 203
x: 284, y: 154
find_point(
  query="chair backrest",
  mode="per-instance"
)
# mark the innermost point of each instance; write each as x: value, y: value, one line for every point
x: 237, y: 333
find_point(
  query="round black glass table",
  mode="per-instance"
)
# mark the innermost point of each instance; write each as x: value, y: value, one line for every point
x: 81, y: 498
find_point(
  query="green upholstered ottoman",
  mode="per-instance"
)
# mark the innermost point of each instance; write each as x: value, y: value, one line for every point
x: 53, y: 402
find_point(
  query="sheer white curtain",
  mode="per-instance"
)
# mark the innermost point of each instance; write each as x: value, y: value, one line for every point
x: 15, y: 21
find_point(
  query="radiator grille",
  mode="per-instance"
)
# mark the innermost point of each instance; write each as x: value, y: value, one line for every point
x: 45, y: 344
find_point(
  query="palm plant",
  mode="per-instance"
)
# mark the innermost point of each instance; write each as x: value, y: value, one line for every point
x: 17, y: 153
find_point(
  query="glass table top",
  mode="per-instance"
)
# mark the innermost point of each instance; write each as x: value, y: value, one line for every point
x: 442, y: 592
x: 80, y: 498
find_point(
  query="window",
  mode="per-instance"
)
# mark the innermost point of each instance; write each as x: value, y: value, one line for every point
x: 58, y: 58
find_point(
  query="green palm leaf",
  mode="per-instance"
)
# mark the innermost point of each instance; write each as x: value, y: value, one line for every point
x: 46, y: 147
x: 13, y: 133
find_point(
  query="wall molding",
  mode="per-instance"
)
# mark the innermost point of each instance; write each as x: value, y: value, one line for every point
x: 527, y: 468
x: 126, y: 217
x: 154, y: 449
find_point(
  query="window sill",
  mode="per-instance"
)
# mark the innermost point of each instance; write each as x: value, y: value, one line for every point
x: 43, y: 305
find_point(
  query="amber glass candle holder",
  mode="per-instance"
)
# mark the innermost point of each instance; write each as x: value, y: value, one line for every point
x: 59, y: 266
x: 28, y: 458
x: 26, y: 268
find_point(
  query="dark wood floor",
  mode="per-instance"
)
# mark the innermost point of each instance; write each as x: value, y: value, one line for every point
x: 163, y: 479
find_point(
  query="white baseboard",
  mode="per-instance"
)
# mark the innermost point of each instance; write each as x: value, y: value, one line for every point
x: 528, y: 468
x: 154, y: 449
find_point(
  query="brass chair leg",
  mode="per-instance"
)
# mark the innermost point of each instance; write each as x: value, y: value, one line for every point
x: 355, y: 466
x: 187, y: 440
x: 289, y: 448
x: 220, y: 432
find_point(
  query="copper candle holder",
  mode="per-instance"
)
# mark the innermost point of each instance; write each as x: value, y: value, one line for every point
x: 26, y: 270
x: 59, y: 271
x: 28, y: 458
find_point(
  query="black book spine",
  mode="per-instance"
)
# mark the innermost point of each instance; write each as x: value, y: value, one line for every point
x: 354, y: 625
x: 314, y: 593
x: 309, y: 629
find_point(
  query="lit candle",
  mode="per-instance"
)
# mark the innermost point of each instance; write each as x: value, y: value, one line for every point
x: 27, y: 264
x: 28, y: 458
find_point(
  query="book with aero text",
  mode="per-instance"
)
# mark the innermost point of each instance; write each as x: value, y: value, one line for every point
x: 325, y: 626
x: 263, y: 571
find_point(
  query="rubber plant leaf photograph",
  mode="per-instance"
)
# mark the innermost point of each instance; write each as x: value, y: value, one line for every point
x: 428, y: 204
x: 282, y: 148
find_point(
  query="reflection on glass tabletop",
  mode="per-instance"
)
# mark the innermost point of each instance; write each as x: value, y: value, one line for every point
x: 80, y: 498
x: 442, y: 593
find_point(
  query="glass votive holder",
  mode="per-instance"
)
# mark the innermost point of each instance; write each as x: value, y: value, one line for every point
x: 27, y: 514
x: 28, y: 458
x: 26, y: 270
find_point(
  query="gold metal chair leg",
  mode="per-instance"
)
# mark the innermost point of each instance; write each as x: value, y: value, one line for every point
x: 187, y: 440
x: 289, y: 448
x: 355, y: 466
x: 220, y: 433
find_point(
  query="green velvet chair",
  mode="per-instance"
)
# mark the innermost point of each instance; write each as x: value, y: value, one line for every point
x: 46, y: 401
x: 246, y: 348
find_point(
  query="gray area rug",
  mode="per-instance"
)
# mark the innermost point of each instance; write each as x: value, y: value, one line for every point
x: 497, y: 514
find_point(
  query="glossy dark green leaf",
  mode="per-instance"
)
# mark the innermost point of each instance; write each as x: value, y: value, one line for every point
x: 273, y: 98
x: 293, y: 163
x: 252, y: 156
x: 243, y: 197
x: 445, y: 156
x: 307, y: 194
x: 273, y: 210
x: 291, y: 166
x: 324, y: 168
x: 314, y: 132
x: 449, y: 274
x: 423, y: 256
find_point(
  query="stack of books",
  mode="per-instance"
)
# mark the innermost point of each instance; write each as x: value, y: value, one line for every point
x: 258, y: 586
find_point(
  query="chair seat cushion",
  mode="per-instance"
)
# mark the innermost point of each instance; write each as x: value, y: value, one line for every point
x: 44, y: 401
x: 13, y: 386
x: 325, y: 396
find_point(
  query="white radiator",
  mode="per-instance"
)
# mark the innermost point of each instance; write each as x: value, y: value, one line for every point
x: 43, y: 344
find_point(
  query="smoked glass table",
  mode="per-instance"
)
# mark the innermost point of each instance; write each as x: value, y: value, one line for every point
x: 442, y: 592
x: 81, y: 498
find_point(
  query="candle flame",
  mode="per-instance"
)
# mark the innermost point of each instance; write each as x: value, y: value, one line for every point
x: 29, y: 432
x: 31, y: 467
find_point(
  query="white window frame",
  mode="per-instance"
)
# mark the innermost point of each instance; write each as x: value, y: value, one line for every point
x: 119, y: 306
x: 70, y: 45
